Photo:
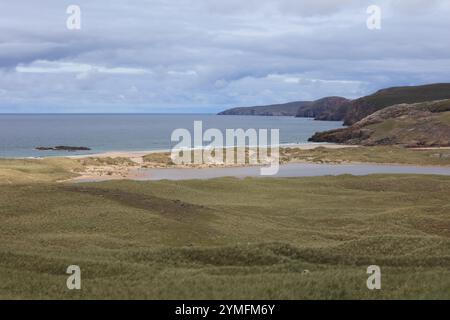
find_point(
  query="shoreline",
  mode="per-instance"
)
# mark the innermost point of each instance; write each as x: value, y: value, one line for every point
x: 141, y: 153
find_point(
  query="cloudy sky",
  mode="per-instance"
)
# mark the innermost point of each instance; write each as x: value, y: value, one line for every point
x: 206, y: 55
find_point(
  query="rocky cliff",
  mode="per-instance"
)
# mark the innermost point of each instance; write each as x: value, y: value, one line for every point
x: 323, y: 109
x: 425, y: 124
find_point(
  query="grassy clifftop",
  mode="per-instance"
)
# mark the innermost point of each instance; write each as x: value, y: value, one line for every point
x: 363, y: 107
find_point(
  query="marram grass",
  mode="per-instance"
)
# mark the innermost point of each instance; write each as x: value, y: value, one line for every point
x: 256, y: 238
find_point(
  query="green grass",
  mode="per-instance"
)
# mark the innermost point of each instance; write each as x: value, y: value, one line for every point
x: 379, y: 154
x: 104, y: 161
x: 445, y: 117
x: 228, y: 238
x: 162, y: 158
x: 32, y: 170
x: 385, y: 129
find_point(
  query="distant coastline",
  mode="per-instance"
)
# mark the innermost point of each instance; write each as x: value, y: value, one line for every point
x: 411, y: 116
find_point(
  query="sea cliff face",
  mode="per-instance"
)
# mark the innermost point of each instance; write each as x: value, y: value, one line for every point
x: 323, y: 109
x: 425, y: 124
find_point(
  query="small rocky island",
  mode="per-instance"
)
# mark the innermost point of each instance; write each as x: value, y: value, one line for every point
x: 63, y: 148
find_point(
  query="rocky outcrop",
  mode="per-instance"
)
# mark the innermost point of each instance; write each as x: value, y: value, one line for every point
x: 425, y: 124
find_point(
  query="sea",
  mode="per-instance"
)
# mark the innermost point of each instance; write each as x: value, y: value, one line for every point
x: 20, y: 134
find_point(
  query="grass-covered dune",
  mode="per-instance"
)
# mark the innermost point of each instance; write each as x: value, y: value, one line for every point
x: 228, y: 238
x: 377, y: 154
x: 14, y: 171
x: 322, y: 154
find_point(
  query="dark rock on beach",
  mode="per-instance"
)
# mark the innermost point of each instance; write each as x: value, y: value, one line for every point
x: 63, y: 148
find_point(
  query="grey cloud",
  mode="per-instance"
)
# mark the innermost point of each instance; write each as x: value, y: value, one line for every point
x: 198, y: 53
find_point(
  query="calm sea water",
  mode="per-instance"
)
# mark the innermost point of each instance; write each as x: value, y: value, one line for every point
x: 21, y: 134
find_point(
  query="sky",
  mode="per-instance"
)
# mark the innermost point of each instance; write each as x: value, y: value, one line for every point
x: 209, y: 55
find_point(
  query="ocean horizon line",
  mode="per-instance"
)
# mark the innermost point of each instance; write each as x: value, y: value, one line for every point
x: 107, y: 113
